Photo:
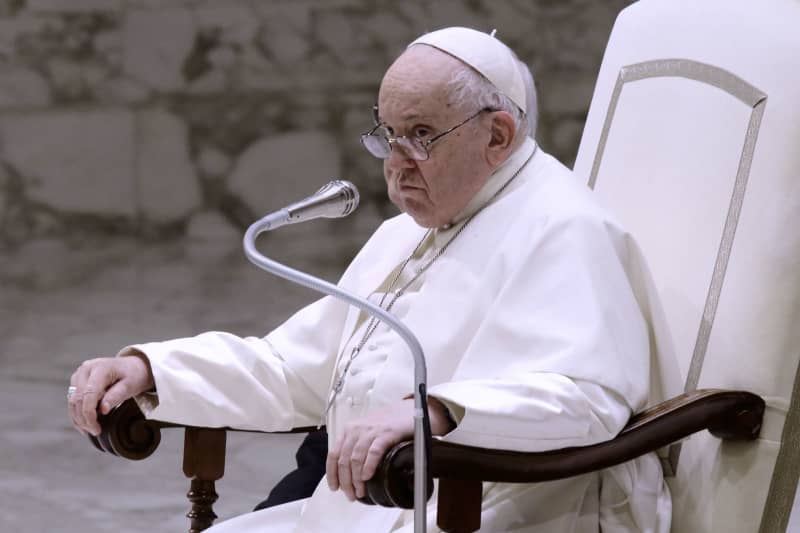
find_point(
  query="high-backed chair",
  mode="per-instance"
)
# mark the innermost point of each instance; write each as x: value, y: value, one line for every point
x: 693, y: 140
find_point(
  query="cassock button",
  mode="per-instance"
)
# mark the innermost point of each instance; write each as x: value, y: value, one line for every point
x: 350, y: 401
x: 354, y: 371
x: 447, y: 226
x: 372, y: 347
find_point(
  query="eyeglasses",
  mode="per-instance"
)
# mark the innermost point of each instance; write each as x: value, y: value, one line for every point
x: 380, y: 145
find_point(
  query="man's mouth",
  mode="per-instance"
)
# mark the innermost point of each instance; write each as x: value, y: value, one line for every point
x: 405, y: 183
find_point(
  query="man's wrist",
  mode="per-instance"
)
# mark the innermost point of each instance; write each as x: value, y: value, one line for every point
x: 141, y: 356
x: 439, y: 414
x: 439, y: 410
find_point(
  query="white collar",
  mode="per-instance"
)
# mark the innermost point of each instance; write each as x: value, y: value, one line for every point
x: 496, y: 181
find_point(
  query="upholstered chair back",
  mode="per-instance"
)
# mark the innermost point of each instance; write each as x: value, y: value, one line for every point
x: 693, y: 141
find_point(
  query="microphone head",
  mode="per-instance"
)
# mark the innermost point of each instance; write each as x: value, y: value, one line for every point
x: 342, y: 194
x: 335, y: 199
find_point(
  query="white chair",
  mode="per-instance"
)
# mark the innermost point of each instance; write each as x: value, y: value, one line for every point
x: 693, y: 141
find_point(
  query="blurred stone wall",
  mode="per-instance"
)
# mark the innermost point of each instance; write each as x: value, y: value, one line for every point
x: 176, y: 118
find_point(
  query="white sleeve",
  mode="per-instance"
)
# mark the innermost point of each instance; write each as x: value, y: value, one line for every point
x: 273, y: 383
x: 537, y: 412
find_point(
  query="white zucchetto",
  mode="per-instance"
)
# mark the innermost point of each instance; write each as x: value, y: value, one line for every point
x: 483, y: 52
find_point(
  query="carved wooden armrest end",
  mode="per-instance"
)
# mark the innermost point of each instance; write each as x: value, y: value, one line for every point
x: 125, y: 432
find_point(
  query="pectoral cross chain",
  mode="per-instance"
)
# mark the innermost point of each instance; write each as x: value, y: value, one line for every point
x: 339, y: 385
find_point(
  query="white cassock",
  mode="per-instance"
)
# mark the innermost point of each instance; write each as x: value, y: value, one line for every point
x: 534, y: 338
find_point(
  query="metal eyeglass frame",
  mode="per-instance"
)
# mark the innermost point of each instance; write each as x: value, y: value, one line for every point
x: 413, y: 142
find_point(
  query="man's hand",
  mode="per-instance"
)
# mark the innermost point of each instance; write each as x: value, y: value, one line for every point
x: 106, y: 382
x: 363, y: 443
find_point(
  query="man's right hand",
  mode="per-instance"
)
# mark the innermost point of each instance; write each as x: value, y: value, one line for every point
x: 106, y: 383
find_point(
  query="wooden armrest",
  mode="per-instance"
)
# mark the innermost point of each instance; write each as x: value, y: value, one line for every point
x: 730, y: 415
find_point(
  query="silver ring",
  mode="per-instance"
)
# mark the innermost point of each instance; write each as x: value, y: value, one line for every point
x: 71, y: 391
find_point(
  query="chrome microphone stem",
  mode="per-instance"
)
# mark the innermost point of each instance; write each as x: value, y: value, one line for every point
x: 273, y: 221
x: 277, y: 219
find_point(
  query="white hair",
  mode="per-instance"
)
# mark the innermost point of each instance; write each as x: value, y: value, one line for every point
x: 468, y: 85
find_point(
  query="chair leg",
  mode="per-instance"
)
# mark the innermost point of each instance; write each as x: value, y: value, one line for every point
x: 459, y: 505
x: 201, y: 516
x: 203, y: 463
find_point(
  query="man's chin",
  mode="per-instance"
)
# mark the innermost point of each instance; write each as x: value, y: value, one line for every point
x: 422, y: 220
x: 421, y: 215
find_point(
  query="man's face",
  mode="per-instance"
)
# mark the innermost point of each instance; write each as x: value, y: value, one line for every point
x: 414, y: 101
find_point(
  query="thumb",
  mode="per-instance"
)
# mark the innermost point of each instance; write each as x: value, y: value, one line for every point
x: 115, y: 395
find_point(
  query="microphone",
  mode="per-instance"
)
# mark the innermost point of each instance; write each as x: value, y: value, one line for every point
x: 338, y: 199
x: 335, y: 199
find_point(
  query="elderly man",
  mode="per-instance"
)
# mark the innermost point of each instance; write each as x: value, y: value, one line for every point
x: 515, y: 282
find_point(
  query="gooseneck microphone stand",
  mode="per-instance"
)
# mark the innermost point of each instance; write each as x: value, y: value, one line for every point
x: 319, y: 206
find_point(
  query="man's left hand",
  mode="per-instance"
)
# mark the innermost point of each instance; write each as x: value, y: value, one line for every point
x: 359, y: 449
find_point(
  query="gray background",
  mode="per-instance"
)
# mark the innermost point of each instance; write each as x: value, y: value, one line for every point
x: 138, y: 138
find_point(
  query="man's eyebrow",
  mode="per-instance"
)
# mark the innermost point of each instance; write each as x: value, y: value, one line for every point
x: 411, y: 117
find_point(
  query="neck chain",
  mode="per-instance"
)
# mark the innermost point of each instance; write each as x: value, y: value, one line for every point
x: 373, y: 323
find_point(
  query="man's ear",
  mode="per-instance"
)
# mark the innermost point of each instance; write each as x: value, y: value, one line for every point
x: 503, y: 132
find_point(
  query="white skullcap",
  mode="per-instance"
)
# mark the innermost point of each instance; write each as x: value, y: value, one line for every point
x: 484, y: 53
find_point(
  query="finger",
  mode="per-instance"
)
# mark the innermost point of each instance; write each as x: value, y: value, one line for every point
x: 376, y: 451
x: 357, y: 459
x: 72, y: 409
x: 78, y: 380
x: 89, y: 411
x: 332, y: 465
x: 344, y: 467
x: 115, y: 395
x: 100, y: 378
x: 345, y: 480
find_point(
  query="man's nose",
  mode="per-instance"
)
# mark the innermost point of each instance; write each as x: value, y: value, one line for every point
x: 400, y: 158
